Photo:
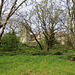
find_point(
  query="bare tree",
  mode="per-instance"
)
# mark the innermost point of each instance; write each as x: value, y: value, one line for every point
x: 71, y: 22
x: 26, y: 20
x: 11, y: 12
x: 12, y: 25
x: 49, y: 15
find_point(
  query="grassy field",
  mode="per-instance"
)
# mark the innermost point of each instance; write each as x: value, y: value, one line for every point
x: 36, y: 65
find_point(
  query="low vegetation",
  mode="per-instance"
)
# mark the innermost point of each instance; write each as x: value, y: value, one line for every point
x: 36, y: 65
x: 28, y: 59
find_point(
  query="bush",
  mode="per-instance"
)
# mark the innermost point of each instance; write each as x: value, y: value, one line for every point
x: 10, y: 41
x: 58, y: 53
x: 71, y: 57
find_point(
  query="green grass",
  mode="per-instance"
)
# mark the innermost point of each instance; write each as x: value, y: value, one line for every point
x: 36, y: 65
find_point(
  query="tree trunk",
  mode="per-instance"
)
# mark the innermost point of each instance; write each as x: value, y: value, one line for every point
x: 0, y: 40
x: 48, y: 47
x: 74, y: 24
x: 37, y: 41
x: 29, y: 28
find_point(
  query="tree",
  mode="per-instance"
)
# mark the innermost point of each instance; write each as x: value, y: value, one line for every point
x: 48, y: 15
x: 12, y: 25
x: 71, y: 22
x: 11, y: 12
x: 26, y: 20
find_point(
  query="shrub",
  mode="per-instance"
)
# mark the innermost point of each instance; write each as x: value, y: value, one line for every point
x: 71, y: 57
x: 58, y: 53
x: 10, y: 41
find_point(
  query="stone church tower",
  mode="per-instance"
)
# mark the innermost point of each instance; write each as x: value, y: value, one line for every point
x: 24, y: 34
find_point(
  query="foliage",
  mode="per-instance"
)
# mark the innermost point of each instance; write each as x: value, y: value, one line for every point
x: 10, y: 41
x: 26, y: 49
x: 43, y: 43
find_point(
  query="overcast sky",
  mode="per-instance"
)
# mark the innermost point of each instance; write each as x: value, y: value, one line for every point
x: 30, y: 7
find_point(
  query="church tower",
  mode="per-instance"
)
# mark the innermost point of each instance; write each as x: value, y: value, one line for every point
x: 24, y: 34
